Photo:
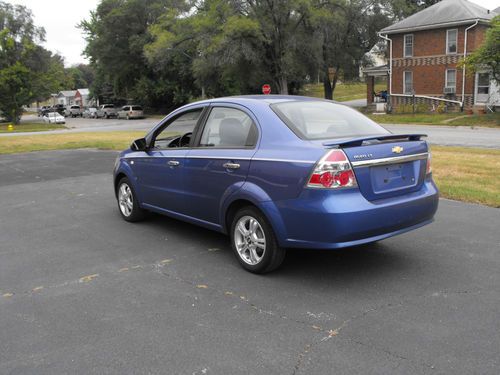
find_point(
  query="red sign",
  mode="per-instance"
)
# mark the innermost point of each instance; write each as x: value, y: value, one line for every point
x: 266, y: 89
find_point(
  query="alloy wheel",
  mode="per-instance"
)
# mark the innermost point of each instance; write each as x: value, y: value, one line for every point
x: 125, y: 199
x: 250, y: 240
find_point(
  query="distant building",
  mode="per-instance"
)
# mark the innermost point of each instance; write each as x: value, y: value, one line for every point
x: 425, y: 49
x: 82, y: 97
x: 66, y: 97
x: 375, y: 57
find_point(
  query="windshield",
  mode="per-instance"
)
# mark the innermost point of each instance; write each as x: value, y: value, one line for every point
x: 325, y: 120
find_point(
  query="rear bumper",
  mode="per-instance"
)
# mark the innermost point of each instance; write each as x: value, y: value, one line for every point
x: 324, y: 220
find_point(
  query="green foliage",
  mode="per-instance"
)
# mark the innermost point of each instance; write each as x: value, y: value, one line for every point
x: 79, y: 76
x: 488, y: 55
x: 28, y: 72
x: 441, y: 108
x: 116, y: 35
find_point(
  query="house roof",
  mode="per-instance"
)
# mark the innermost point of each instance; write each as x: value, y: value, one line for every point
x: 68, y: 93
x: 83, y: 91
x: 443, y: 14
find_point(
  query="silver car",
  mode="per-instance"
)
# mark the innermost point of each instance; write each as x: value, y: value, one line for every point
x: 131, y: 111
x: 106, y: 111
x: 90, y: 112
x: 73, y: 111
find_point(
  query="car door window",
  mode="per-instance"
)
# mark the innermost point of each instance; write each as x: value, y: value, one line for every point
x: 177, y: 133
x: 228, y: 128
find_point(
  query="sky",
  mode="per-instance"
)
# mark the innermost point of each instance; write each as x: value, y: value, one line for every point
x: 60, y: 17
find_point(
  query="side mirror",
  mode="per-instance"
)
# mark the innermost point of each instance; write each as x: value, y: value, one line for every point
x: 139, y: 145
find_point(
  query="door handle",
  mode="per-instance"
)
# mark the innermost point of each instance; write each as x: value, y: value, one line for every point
x: 173, y: 163
x: 231, y: 165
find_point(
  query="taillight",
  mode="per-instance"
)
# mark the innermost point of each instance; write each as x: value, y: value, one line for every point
x: 429, y: 163
x: 333, y: 171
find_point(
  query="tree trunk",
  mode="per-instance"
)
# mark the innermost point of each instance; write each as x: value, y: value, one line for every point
x: 283, y: 85
x: 328, y: 87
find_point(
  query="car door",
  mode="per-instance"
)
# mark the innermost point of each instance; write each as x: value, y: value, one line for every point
x: 218, y: 163
x: 160, y: 170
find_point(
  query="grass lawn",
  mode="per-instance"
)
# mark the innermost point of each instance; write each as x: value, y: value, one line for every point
x: 30, y: 127
x: 466, y: 174
x: 343, y: 92
x: 117, y: 140
x: 450, y: 119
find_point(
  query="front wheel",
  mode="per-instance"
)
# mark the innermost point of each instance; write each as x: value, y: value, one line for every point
x: 254, y: 243
x: 127, y: 202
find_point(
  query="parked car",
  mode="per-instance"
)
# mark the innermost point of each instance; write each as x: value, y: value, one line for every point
x: 59, y: 108
x: 43, y: 110
x: 54, y: 118
x: 106, y: 111
x: 130, y: 112
x: 277, y: 172
x: 73, y: 111
x: 90, y: 112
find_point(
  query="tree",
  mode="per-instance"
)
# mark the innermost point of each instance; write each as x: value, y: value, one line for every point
x: 344, y: 31
x: 27, y: 71
x: 116, y: 34
x: 236, y: 45
x: 400, y: 9
x: 79, y: 76
x: 488, y: 55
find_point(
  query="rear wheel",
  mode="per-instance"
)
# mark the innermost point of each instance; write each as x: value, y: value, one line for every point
x: 127, y: 202
x: 254, y: 243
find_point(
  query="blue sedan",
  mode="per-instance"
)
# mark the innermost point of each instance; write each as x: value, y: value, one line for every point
x: 276, y: 172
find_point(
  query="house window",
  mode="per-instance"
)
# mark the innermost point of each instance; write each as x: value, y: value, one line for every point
x: 483, y: 83
x: 451, y: 78
x: 408, y: 82
x: 451, y: 41
x: 408, y: 45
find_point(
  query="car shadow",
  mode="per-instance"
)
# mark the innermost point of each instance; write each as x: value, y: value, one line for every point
x: 361, y: 264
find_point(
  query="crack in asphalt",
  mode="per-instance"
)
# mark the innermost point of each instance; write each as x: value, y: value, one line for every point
x: 159, y: 267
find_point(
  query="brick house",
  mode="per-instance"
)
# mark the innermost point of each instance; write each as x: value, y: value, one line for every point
x: 424, y: 51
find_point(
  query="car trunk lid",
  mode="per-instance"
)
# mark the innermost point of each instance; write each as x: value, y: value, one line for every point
x: 386, y: 166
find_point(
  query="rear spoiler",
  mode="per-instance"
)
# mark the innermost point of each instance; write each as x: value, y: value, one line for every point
x: 352, y: 142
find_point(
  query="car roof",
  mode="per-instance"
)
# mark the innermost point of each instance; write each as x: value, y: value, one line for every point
x: 249, y: 100
x: 269, y: 99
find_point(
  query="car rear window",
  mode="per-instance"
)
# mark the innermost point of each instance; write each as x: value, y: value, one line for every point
x: 136, y: 108
x: 325, y: 120
x: 108, y: 106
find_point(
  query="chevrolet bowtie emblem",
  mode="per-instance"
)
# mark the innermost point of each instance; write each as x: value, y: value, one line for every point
x: 397, y: 149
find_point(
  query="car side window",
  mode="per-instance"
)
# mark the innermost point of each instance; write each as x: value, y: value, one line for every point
x: 228, y: 128
x: 178, y: 132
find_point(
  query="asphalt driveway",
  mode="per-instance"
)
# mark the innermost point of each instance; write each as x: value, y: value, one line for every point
x: 83, y: 292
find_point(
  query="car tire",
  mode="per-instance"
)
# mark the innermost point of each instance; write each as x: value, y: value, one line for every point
x: 106, y: 116
x: 127, y: 202
x: 128, y: 117
x: 255, y: 244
